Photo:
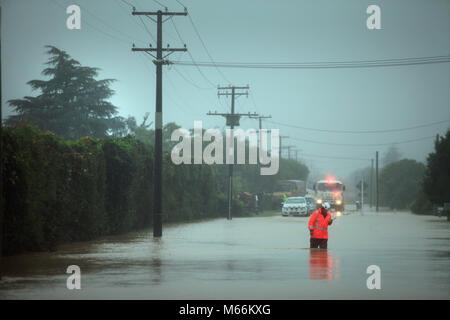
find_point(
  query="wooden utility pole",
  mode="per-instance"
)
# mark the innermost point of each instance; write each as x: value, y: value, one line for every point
x: 362, y: 191
x: 159, y: 62
x: 2, y: 215
x: 232, y: 121
x: 296, y: 154
x: 260, y: 127
x: 376, y: 180
x: 281, y: 146
x: 371, y: 185
x: 289, y: 151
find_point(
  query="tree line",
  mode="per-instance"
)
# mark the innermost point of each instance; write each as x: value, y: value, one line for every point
x: 409, y: 184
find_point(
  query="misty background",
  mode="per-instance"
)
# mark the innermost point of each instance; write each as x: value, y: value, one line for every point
x: 379, y: 98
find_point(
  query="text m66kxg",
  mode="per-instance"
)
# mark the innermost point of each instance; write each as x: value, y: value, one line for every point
x: 246, y: 309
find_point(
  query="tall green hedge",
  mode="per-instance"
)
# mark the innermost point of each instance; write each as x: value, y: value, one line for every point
x: 57, y: 191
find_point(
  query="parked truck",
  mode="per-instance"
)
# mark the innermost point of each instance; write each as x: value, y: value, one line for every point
x: 288, y: 188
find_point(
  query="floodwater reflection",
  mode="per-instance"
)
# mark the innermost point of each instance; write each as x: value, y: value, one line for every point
x: 322, y: 265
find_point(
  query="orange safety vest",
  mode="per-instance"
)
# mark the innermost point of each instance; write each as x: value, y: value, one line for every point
x: 319, y: 224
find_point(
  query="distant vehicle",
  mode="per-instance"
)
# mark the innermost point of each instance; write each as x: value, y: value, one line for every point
x: 446, y: 210
x: 290, y: 188
x: 310, y: 204
x: 331, y: 191
x: 295, y: 206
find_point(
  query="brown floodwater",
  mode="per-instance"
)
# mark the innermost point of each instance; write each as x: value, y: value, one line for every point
x: 247, y: 258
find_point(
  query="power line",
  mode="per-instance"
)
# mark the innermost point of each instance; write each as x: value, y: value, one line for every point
x: 127, y: 12
x: 140, y: 18
x: 127, y: 36
x: 141, y: 26
x: 206, y: 49
x: 159, y: 3
x: 144, y: 26
x: 146, y: 29
x: 126, y: 2
x: 145, y: 62
x: 94, y: 27
x: 180, y: 4
x: 315, y: 156
x: 179, y: 107
x: 360, y: 131
x: 365, y: 144
x: 190, y: 55
x: 253, y: 101
x: 325, y: 65
x: 177, y: 93
x: 189, y: 81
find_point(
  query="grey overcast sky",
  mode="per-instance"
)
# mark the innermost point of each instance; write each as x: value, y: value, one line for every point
x: 258, y: 31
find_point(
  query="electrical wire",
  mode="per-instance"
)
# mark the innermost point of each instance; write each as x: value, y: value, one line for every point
x: 190, y: 55
x: 127, y: 36
x: 189, y: 81
x: 146, y: 29
x: 438, y: 59
x: 361, y: 131
x: 126, y: 2
x: 254, y: 103
x: 206, y: 49
x: 180, y: 4
x: 141, y: 26
x: 175, y: 91
x: 94, y: 27
x: 325, y: 65
x: 157, y: 2
x: 177, y: 105
x: 362, y: 145
x: 315, y: 156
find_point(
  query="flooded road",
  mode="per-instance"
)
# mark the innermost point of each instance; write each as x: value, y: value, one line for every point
x: 248, y: 258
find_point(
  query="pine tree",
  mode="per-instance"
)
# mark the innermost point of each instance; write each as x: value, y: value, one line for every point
x: 72, y: 103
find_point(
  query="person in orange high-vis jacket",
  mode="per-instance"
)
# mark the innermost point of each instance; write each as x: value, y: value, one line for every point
x: 318, y: 226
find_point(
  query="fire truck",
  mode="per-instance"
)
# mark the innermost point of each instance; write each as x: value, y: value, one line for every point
x: 332, y: 191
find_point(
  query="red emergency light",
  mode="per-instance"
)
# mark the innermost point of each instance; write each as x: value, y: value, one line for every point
x: 330, y: 180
